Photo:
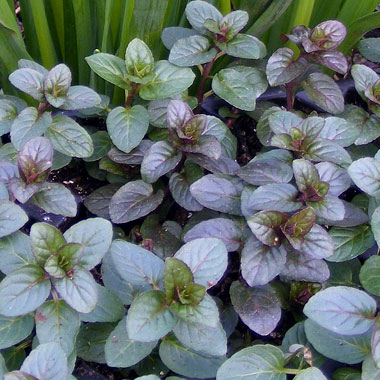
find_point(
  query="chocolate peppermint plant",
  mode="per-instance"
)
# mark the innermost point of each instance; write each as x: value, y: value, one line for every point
x: 317, y: 45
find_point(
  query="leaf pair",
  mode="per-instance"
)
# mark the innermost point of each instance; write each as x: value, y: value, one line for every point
x: 53, y: 87
x: 63, y: 264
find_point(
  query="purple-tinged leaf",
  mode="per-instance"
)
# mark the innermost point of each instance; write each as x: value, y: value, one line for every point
x: 134, y: 200
x: 282, y: 68
x: 224, y: 229
x: 235, y: 21
x: 299, y: 225
x: 259, y: 308
x: 283, y: 121
x: 300, y: 267
x: 277, y: 197
x: 329, y: 208
x: 305, y: 174
x: 332, y: 59
x: 134, y: 157
x: 324, y: 92
x: 259, y: 263
x: 8, y: 171
x: 365, y: 173
x: 340, y: 131
x: 364, y: 78
x: 317, y: 243
x: 22, y: 191
x: 327, y: 35
x: 223, y: 165
x: 375, y: 342
x: 206, y: 145
x: 337, y: 178
x: 57, y: 83
x: 264, y: 172
x: 35, y: 160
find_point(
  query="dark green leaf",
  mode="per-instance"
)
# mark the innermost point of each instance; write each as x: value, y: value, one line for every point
x: 149, y: 317
x: 246, y: 46
x: 29, y: 81
x: 121, y: 351
x: 134, y: 200
x: 127, y: 126
x: 12, y: 218
x: 138, y: 59
x: 79, y: 98
x: 369, y: 275
x: 197, y: 12
x: 14, y: 330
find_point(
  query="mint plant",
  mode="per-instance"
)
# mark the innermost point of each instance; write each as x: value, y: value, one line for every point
x: 318, y: 45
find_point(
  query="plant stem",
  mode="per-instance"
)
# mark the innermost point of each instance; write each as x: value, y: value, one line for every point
x: 131, y: 94
x: 289, y: 96
x: 42, y: 108
x: 205, y: 74
x: 291, y: 371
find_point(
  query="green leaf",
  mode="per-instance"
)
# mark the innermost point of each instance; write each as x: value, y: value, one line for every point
x: 57, y: 83
x: 231, y: 85
x: 15, y: 252
x: 177, y: 276
x: 188, y: 363
x: 135, y: 264
x: 369, y: 369
x: 102, y: 145
x: 56, y: 199
x: 79, y: 290
x: 369, y: 275
x: 29, y: 81
x: 45, y: 240
x: 91, y: 341
x: 69, y: 138
x: 204, y: 339
x: 23, y: 291
x: 110, y: 68
x: 8, y: 112
x: 168, y: 80
x: 99, y: 200
x: 369, y: 49
x: 282, y: 68
x: 347, y: 374
x: 47, y: 361
x: 235, y: 21
x: 350, y: 242
x: 79, y: 98
x: 172, y: 34
x: 341, y: 309
x: 324, y: 92
x: 15, y: 330
x: 149, y: 317
x: 375, y: 342
x: 218, y: 192
x: 18, y: 375
x: 265, y: 226
x: 326, y: 150
x: 122, y: 351
x: 364, y: 78
x: 134, y: 200
x: 205, y: 313
x: 127, y: 126
x: 29, y: 124
x: 159, y: 160
x: 259, y: 308
x: 206, y: 258
x: 349, y: 349
x: 109, y: 308
x: 56, y: 322
x: 197, y: 12
x: 260, y: 263
x: 311, y: 373
x: 95, y: 236
x: 259, y: 362
x: 12, y: 218
x: 246, y: 46
x: 191, y: 51
x: 226, y: 230
x: 299, y: 225
x: 138, y: 59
